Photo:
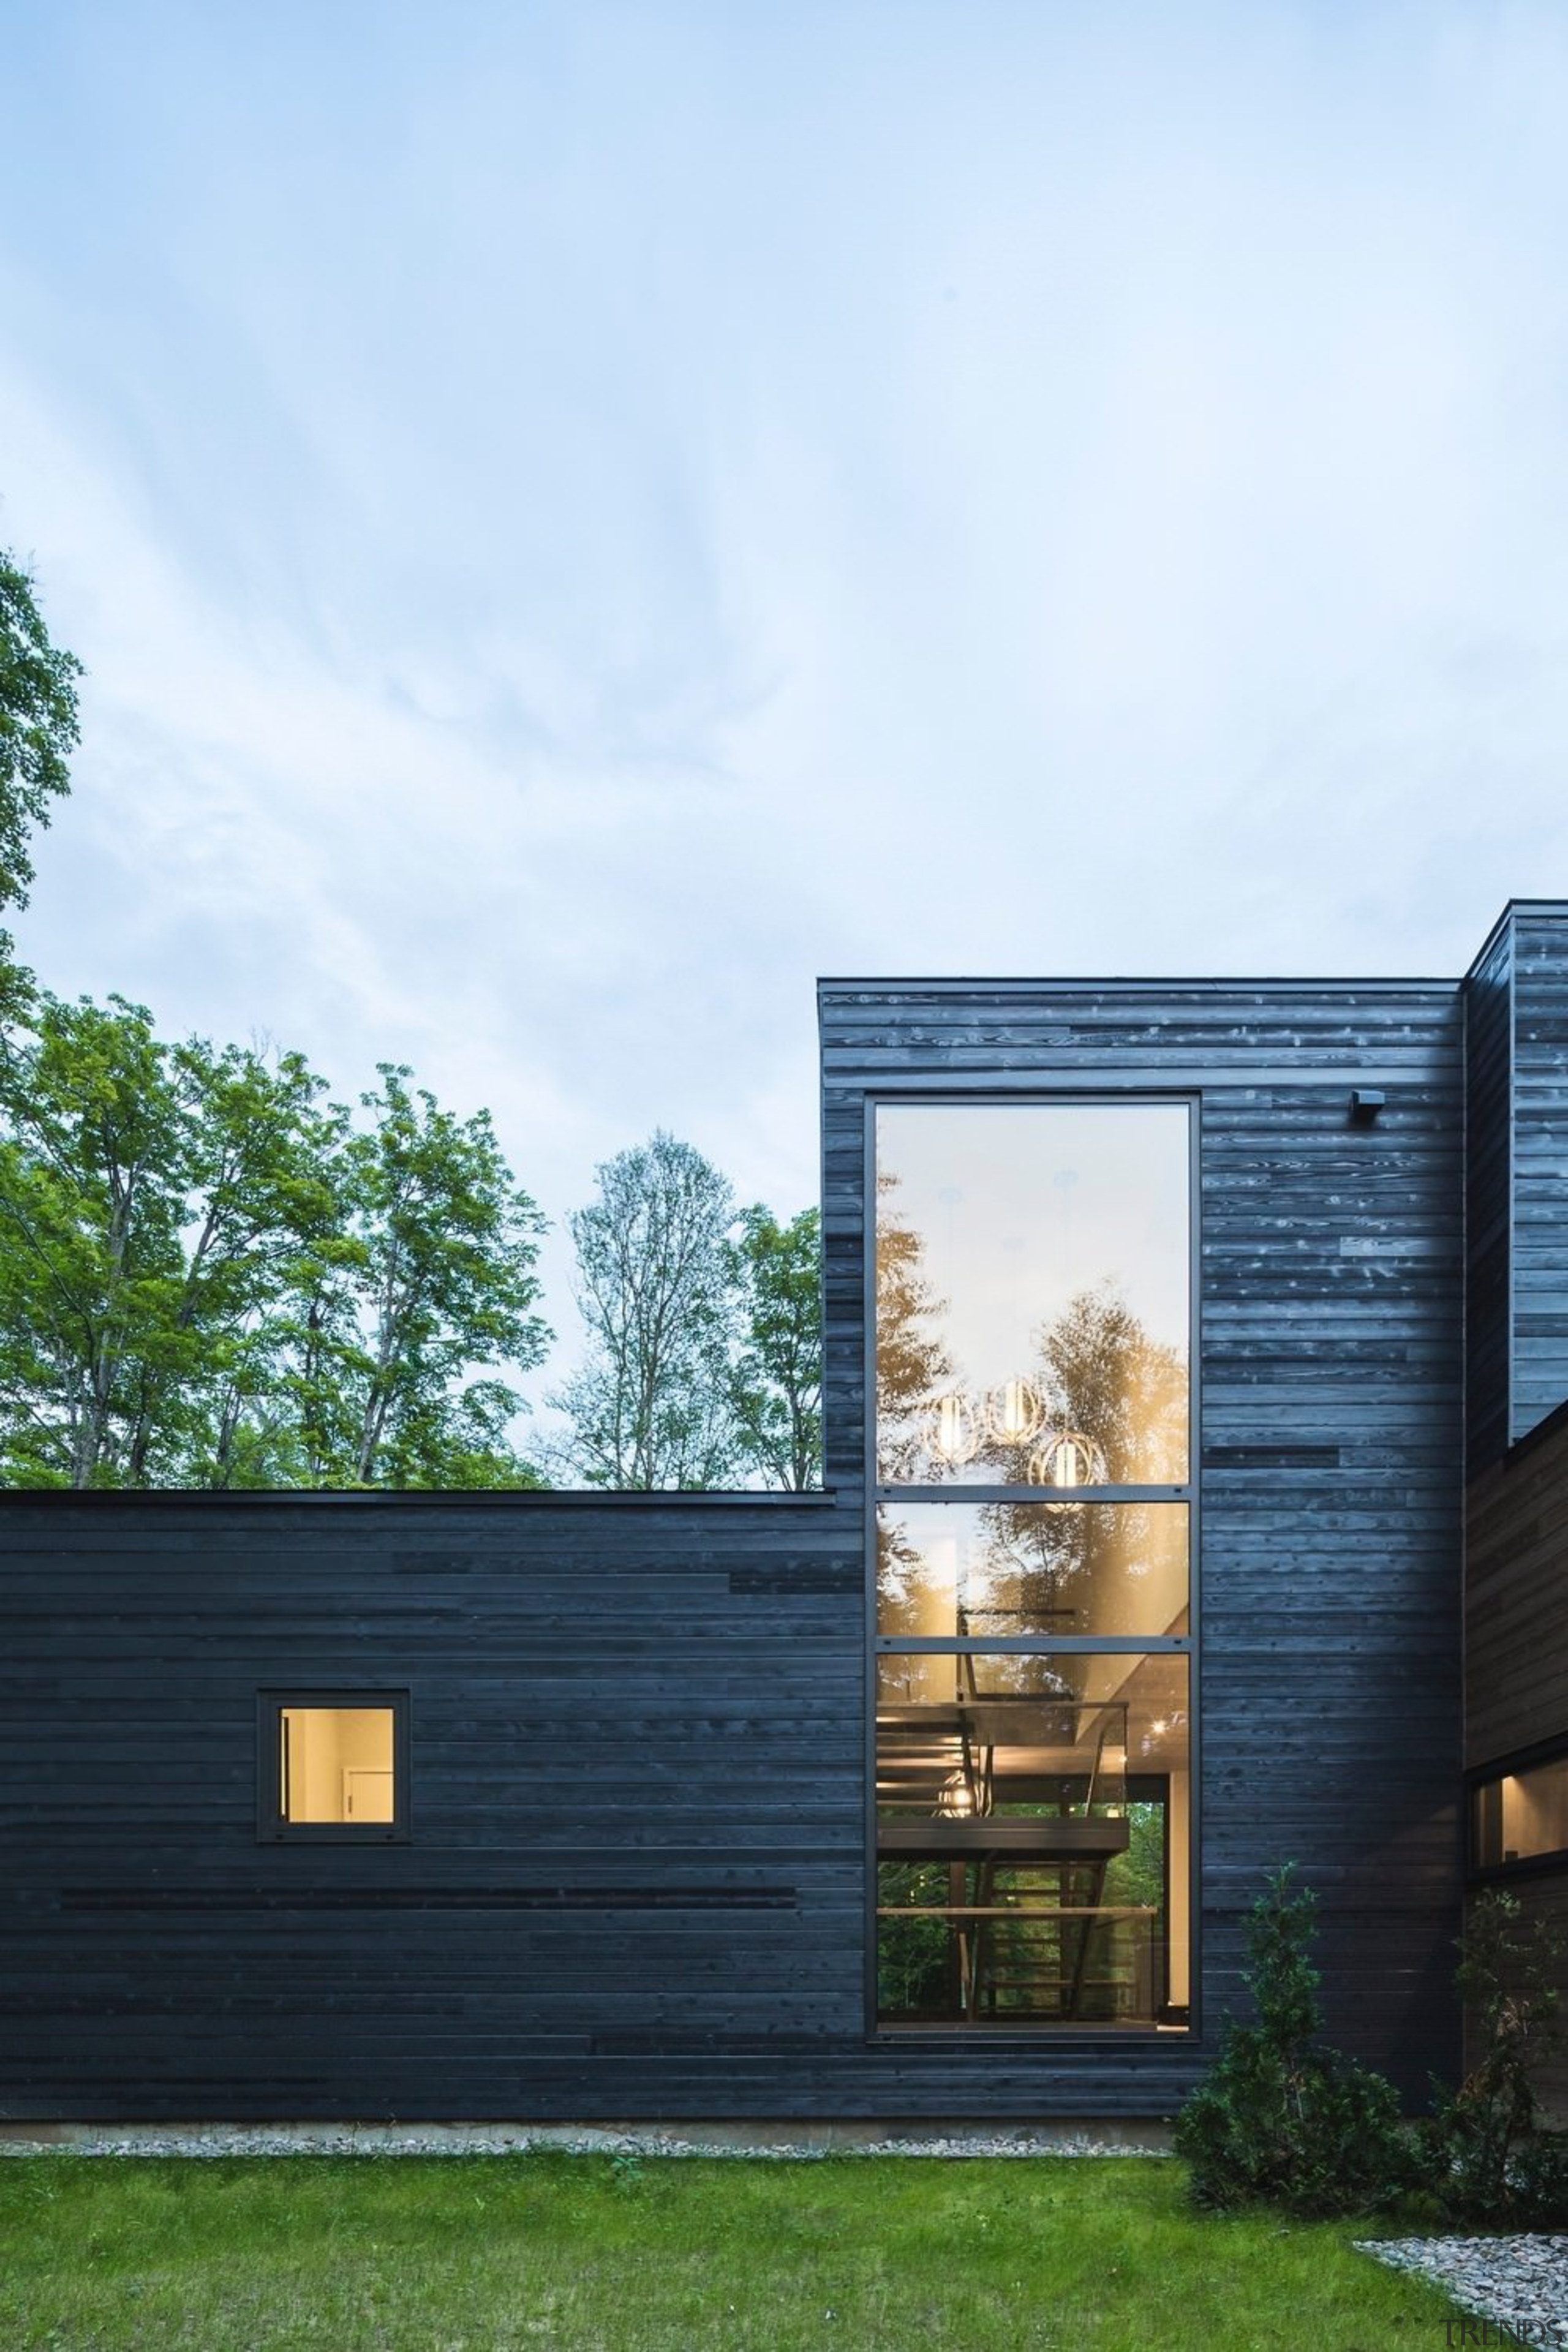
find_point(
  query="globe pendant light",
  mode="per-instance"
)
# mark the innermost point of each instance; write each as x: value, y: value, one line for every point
x: 1014, y: 1412
x: 1068, y: 1458
x: 953, y: 1429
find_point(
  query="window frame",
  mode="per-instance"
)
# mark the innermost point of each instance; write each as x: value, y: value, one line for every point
x: 271, y: 1828
x: 1505, y: 1768
x: 1107, y: 1094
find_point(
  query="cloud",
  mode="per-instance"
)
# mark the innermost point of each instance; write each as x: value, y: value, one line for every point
x: 583, y: 517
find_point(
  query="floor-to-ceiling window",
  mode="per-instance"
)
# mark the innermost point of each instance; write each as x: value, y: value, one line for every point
x: 1033, y: 1558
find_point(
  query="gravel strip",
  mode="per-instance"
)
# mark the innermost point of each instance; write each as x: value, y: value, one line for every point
x: 1520, y: 2283
x: 489, y: 2139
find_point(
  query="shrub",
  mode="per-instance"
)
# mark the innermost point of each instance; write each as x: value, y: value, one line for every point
x: 1485, y: 2154
x: 1281, y: 2120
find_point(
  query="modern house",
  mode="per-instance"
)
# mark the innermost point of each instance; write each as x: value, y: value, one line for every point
x: 1180, y: 1338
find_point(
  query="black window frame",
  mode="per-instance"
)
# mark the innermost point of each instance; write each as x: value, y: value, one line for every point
x: 1108, y: 1089
x: 271, y: 1827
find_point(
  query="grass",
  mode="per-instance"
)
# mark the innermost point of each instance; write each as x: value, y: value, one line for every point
x: 622, y: 2255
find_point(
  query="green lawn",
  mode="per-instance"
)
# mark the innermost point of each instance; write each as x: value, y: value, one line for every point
x: 488, y: 2254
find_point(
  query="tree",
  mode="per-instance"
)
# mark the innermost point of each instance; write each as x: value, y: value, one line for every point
x: 777, y: 1272
x: 37, y: 725
x: 446, y: 1281
x: 92, y: 1204
x: 1281, y: 2119
x: 913, y: 1360
x: 654, y: 1404
x: 206, y: 1279
x: 1489, y: 2160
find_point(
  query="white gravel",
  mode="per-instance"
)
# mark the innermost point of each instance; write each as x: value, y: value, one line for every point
x: 499, y: 2139
x: 1520, y: 2283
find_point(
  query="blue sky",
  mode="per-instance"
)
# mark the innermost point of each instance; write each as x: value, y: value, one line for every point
x: 580, y: 517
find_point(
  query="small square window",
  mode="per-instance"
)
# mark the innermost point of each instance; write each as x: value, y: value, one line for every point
x: 333, y: 1765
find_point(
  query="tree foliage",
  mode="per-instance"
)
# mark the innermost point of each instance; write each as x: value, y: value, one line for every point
x: 776, y: 1270
x: 912, y: 1358
x: 207, y: 1277
x: 38, y: 726
x: 1280, y: 2119
x: 1490, y: 2161
x: 653, y: 1404
x: 704, y: 1324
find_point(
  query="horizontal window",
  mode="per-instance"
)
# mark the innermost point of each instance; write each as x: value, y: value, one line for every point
x: 333, y: 1765
x: 968, y: 1570
x: 1521, y: 1815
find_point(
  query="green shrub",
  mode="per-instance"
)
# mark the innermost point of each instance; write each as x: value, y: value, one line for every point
x: 1281, y: 2120
x: 1485, y: 2154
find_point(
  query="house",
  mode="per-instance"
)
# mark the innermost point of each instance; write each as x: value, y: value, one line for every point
x: 1179, y: 1338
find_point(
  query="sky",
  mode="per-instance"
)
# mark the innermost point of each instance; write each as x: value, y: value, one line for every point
x: 581, y: 518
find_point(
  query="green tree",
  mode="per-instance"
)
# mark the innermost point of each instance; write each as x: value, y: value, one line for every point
x: 1280, y: 2119
x: 777, y: 1272
x: 1490, y: 2159
x: 255, y: 1158
x: 653, y: 1404
x: 206, y: 1279
x: 92, y: 1203
x: 38, y: 726
x: 912, y: 1358
x: 446, y: 1282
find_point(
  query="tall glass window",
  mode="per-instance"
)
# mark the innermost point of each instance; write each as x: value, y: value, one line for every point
x: 1031, y: 1294
x: 1033, y: 1564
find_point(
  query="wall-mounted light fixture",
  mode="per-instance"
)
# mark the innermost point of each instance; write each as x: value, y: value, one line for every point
x: 1366, y: 1104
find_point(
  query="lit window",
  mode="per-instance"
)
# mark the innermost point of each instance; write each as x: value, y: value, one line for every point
x: 1520, y: 1815
x: 333, y: 1764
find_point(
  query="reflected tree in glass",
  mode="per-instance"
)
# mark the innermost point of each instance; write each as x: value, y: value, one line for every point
x: 912, y: 1363
x: 1104, y: 1378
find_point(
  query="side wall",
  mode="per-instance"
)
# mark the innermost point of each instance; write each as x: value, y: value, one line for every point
x: 1516, y: 1636
x: 1516, y: 1577
x: 1516, y: 1589
x: 1330, y: 1566
x: 1540, y: 1163
x: 635, y: 1875
x: 1517, y: 1177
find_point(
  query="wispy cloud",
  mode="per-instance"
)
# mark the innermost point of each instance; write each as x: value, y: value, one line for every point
x: 581, y: 517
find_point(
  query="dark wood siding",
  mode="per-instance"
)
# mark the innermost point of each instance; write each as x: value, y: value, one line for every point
x: 1332, y: 1311
x: 1540, y: 1164
x: 635, y: 1878
x: 1489, y: 1197
x: 1516, y: 1599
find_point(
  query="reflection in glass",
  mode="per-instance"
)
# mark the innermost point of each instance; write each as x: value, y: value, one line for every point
x: 1032, y: 1840
x: 1521, y: 1814
x: 954, y: 1569
x: 1031, y: 1294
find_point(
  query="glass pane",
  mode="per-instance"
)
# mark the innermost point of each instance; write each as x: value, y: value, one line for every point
x: 335, y: 1764
x: 957, y: 1569
x: 1524, y: 1813
x: 1032, y: 1840
x: 1031, y: 1294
